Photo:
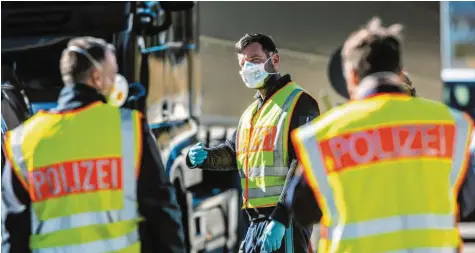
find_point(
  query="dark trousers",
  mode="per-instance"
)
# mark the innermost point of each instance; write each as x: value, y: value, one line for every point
x: 295, y: 240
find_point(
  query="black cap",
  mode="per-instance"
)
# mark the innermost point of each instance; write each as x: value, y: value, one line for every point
x: 335, y: 73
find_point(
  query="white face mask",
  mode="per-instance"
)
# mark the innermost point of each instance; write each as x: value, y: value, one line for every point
x: 120, y: 87
x: 254, y: 75
x: 119, y: 91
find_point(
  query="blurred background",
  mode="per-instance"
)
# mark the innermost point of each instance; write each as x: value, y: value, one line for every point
x: 306, y: 33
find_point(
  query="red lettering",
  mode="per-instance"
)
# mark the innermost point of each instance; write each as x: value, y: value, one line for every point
x: 387, y: 143
x: 269, y: 138
x: 75, y: 177
x: 262, y: 139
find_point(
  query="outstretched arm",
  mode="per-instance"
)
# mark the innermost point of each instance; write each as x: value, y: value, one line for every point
x: 220, y: 158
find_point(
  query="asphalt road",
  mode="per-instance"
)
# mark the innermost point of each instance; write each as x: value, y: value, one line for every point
x: 306, y: 33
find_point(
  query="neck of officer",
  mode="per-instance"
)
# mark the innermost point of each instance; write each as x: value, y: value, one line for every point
x: 100, y: 89
x: 376, y: 83
x: 269, y: 84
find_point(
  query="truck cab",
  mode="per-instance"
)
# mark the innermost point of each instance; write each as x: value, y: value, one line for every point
x: 157, y: 50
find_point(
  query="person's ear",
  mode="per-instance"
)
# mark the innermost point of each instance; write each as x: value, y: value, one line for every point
x: 351, y: 76
x: 96, y: 78
x: 354, y: 77
x: 275, y: 58
x: 241, y: 60
x: 352, y: 80
x: 402, y: 76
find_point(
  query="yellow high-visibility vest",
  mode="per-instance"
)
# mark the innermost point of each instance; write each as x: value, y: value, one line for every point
x: 262, y: 142
x: 80, y: 171
x: 386, y: 172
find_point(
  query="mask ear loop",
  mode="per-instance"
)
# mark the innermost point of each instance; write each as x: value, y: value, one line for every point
x: 86, y: 54
x: 270, y: 73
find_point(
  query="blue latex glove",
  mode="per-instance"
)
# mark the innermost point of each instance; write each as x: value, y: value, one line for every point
x: 197, y: 154
x: 272, y: 237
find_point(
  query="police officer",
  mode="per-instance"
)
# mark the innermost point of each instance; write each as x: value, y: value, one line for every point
x: 383, y: 172
x: 260, y: 148
x: 87, y: 176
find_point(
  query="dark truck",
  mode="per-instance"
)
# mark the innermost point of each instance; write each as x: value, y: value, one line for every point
x: 158, y: 53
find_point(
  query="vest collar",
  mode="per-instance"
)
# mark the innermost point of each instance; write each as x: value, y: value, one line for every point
x: 77, y: 96
x: 379, y: 83
x: 274, y: 84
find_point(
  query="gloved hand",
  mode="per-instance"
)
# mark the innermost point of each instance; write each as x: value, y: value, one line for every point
x: 272, y: 237
x: 197, y: 154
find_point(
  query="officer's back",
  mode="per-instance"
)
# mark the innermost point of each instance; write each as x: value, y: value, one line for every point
x: 385, y: 169
x: 87, y: 172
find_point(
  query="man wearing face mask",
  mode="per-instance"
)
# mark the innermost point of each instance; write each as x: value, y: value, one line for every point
x: 260, y: 149
x: 87, y: 176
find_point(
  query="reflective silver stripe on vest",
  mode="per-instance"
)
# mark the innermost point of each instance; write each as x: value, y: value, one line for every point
x: 266, y: 192
x: 460, y: 149
x: 85, y: 219
x: 110, y: 245
x: 426, y: 250
x: 312, y: 147
x: 393, y: 224
x: 267, y: 171
x: 279, y: 140
x: 16, y: 139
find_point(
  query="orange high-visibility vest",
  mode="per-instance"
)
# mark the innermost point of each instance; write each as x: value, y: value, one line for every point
x: 386, y: 172
x: 80, y: 169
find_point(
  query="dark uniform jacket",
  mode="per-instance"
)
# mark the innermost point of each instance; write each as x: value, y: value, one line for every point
x: 305, y: 208
x: 161, y: 230
x: 223, y: 156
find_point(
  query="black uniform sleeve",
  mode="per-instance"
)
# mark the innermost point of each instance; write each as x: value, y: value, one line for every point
x: 301, y: 201
x: 466, y: 198
x: 162, y: 228
x: 17, y: 225
x: 220, y: 158
x: 305, y: 111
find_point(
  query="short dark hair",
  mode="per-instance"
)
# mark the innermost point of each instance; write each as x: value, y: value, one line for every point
x: 374, y: 48
x: 266, y: 42
x: 75, y: 66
